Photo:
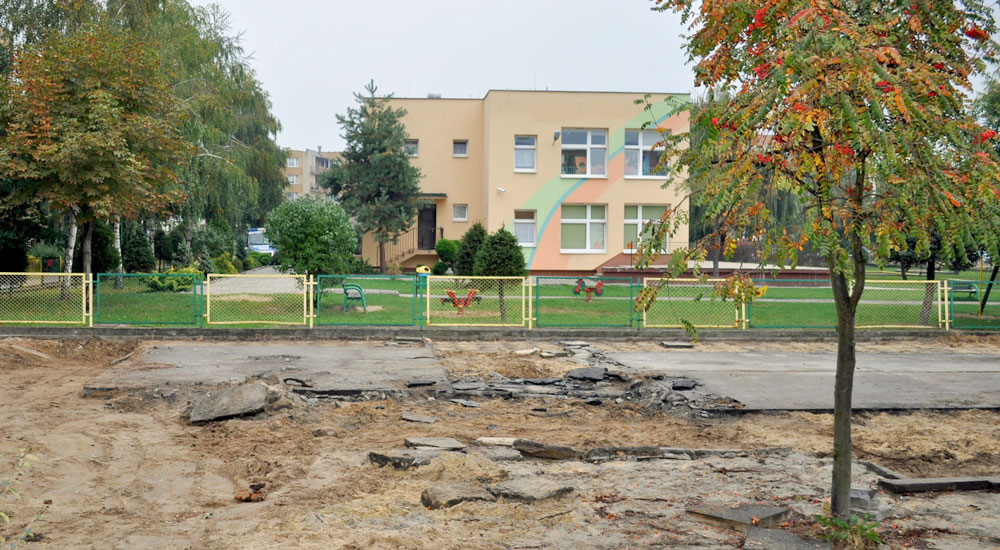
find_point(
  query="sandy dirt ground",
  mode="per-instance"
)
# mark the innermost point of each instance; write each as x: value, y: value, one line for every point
x: 128, y: 471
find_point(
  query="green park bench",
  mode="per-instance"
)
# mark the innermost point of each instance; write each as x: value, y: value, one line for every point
x: 354, y: 292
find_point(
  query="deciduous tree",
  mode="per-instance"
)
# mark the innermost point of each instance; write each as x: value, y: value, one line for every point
x: 856, y: 109
x: 313, y: 237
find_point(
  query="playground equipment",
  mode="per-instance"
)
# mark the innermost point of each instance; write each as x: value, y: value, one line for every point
x: 461, y: 303
x: 359, y: 295
x: 596, y: 289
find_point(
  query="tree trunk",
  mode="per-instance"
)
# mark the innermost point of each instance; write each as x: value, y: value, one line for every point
x: 381, y: 258
x: 68, y: 261
x: 929, y: 292
x: 88, y: 237
x: 117, y: 228
x: 843, y: 386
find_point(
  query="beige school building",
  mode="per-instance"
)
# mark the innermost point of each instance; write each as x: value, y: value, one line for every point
x: 572, y: 174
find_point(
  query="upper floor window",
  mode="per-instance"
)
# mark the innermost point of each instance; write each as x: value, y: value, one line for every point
x: 524, y: 153
x: 293, y: 179
x: 293, y: 162
x: 641, y: 153
x: 460, y: 148
x: 412, y: 147
x: 584, y: 152
x: 322, y: 163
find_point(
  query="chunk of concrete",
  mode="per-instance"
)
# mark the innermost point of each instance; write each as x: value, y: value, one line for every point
x: 544, y: 450
x: 496, y: 454
x: 226, y: 403
x: 935, y: 484
x: 551, y: 354
x: 775, y: 539
x: 864, y: 498
x: 573, y: 343
x: 587, y: 374
x: 741, y: 516
x: 498, y: 441
x: 677, y: 344
x: 445, y: 443
x: 529, y: 490
x: 467, y: 386
x: 683, y: 384
x: 525, y: 352
x: 448, y: 495
x: 542, y: 381
x: 466, y: 403
x: 612, y: 453
x: 404, y: 458
x: 410, y: 417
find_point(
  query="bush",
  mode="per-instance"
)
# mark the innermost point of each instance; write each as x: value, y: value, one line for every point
x: 440, y: 268
x: 500, y: 256
x: 250, y: 263
x: 223, y: 264
x: 137, y: 257
x: 468, y: 248
x: 172, y: 284
x: 360, y: 266
x: 447, y: 251
x: 315, y: 236
x: 262, y: 258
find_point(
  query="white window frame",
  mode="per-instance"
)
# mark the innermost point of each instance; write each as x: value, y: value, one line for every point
x: 534, y: 154
x: 641, y: 221
x: 293, y: 179
x: 416, y: 147
x: 587, y: 222
x: 454, y: 214
x: 457, y: 141
x: 534, y: 227
x: 293, y: 162
x: 641, y: 147
x: 588, y: 147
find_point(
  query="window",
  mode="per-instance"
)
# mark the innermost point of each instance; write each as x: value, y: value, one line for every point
x: 524, y: 227
x: 524, y: 153
x: 460, y: 148
x: 637, y: 226
x: 460, y: 212
x: 641, y: 153
x: 412, y: 147
x: 583, y: 228
x: 584, y: 152
x: 293, y: 196
x: 293, y: 162
x: 293, y: 179
x: 322, y: 163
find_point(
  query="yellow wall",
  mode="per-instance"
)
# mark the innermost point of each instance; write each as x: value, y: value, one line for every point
x: 490, y: 125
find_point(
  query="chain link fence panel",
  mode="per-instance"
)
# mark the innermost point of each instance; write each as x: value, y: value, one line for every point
x: 256, y: 299
x: 476, y: 301
x: 901, y: 304
x: 793, y: 303
x: 974, y: 305
x: 43, y: 298
x: 584, y: 301
x: 147, y: 298
x: 688, y: 302
x: 378, y: 300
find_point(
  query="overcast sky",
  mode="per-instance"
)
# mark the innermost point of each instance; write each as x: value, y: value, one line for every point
x: 311, y: 55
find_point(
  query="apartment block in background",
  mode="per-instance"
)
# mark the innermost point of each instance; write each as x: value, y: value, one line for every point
x: 302, y: 169
x: 572, y: 174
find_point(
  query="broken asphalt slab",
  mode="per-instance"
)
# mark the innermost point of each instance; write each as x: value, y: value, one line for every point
x: 328, y: 369
x: 229, y: 402
x: 445, y: 443
x: 530, y: 490
x: 741, y: 516
x: 544, y: 450
x: 939, y: 484
x: 775, y: 381
x: 775, y: 539
x: 448, y: 495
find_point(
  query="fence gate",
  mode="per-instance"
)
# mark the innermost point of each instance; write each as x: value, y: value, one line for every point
x: 147, y: 298
x: 476, y: 301
x: 901, y: 304
x: 584, y: 301
x: 257, y: 299
x: 386, y: 300
x: 43, y: 298
x: 680, y: 302
x: 974, y: 305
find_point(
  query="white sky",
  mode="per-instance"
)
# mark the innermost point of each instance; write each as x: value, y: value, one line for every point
x: 311, y: 55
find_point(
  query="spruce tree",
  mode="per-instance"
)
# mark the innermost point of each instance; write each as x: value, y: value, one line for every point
x: 500, y: 256
x: 374, y: 181
x: 468, y: 248
x: 136, y: 254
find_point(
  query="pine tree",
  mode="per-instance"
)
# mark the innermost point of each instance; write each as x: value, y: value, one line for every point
x: 500, y: 256
x: 374, y: 180
x: 468, y: 248
x: 137, y: 257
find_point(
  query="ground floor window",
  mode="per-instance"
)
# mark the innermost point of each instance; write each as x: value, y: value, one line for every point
x: 584, y: 228
x: 524, y: 227
x: 637, y: 224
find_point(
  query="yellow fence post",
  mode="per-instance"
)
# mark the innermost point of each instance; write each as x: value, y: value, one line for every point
x: 89, y: 289
x: 208, y: 299
x: 312, y: 290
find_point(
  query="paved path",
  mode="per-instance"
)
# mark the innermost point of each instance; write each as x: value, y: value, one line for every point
x: 804, y: 381
x: 343, y: 369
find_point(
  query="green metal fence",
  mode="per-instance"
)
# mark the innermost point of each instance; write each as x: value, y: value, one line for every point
x: 974, y: 305
x: 377, y: 300
x: 793, y: 303
x: 148, y: 298
x: 584, y: 302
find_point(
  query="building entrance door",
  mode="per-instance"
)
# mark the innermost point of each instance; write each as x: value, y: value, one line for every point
x: 427, y: 228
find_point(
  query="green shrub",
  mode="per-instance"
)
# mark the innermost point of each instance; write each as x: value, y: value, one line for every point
x: 447, y: 251
x: 172, y: 284
x: 440, y: 268
x: 250, y: 263
x: 223, y: 264
x: 360, y: 266
x: 262, y: 258
x: 137, y: 257
x: 468, y: 248
x: 238, y: 264
x: 500, y: 256
x: 854, y: 534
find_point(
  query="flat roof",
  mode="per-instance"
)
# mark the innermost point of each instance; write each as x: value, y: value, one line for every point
x: 492, y: 90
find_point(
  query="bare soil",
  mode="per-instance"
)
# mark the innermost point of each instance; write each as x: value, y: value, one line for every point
x: 127, y: 470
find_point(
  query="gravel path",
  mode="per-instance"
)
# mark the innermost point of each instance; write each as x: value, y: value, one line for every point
x: 256, y: 281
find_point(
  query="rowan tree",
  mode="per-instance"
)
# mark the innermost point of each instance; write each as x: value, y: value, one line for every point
x: 856, y: 109
x: 91, y: 128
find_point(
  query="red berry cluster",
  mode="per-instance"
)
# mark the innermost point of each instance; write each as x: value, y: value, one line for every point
x: 976, y: 33
x: 758, y: 21
x: 984, y: 136
x: 764, y: 159
x: 762, y: 70
x: 844, y: 150
x: 885, y: 86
